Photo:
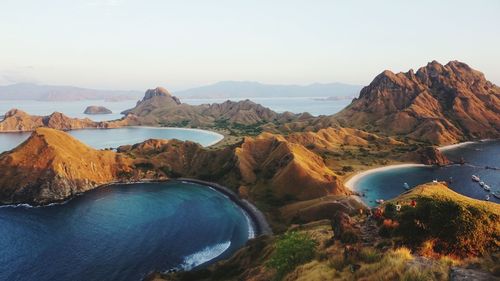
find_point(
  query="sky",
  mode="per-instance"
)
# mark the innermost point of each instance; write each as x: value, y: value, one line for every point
x: 132, y: 44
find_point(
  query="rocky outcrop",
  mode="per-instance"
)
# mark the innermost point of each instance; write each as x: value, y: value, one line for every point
x: 52, y: 166
x: 94, y: 109
x: 431, y: 156
x: 159, y: 107
x: 440, y: 104
x: 16, y: 120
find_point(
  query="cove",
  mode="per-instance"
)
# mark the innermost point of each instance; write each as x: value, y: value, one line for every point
x: 112, y: 138
x: 388, y: 184
x: 121, y: 232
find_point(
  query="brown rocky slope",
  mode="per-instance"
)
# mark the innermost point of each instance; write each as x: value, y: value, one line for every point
x: 52, y: 166
x: 440, y: 104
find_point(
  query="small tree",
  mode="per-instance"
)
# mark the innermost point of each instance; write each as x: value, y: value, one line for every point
x: 292, y: 249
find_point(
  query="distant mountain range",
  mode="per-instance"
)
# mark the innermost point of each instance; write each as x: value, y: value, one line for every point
x: 27, y: 91
x: 225, y: 89
x: 245, y: 89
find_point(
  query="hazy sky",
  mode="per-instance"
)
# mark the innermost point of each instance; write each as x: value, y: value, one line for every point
x: 132, y: 44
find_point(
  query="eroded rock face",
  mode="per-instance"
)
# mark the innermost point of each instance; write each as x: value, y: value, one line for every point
x: 440, y: 104
x: 431, y: 156
x: 53, y: 166
x: 94, y: 109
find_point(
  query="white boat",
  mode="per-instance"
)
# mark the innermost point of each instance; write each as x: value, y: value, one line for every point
x: 407, y: 187
x: 475, y: 178
x: 497, y: 194
x: 487, y: 187
x: 487, y: 197
x: 435, y: 181
x: 379, y: 201
x: 481, y: 183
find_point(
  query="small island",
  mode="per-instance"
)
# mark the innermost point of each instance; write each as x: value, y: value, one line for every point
x: 94, y: 109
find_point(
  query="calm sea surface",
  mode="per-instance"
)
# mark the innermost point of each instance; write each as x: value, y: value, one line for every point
x: 121, y: 232
x: 390, y: 183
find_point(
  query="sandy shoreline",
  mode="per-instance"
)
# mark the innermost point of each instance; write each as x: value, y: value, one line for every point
x: 453, y: 146
x: 351, y: 182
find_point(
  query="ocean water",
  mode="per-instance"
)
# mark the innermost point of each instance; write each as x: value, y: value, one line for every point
x: 112, y: 138
x: 390, y: 183
x: 120, y: 232
x: 76, y: 108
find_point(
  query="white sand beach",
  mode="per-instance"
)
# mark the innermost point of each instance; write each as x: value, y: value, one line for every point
x: 351, y: 183
x: 453, y: 146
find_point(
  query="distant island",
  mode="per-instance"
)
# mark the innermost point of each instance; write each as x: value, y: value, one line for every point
x: 30, y: 91
x: 94, y: 109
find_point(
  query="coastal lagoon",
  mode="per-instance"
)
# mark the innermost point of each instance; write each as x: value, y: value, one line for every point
x: 112, y: 138
x: 121, y: 232
x: 389, y: 183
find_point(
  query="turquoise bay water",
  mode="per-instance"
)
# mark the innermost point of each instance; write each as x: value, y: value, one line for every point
x: 121, y: 232
x: 390, y: 183
x: 112, y: 138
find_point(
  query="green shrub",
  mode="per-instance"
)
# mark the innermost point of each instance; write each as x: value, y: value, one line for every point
x: 292, y: 249
x: 369, y: 255
x: 457, y: 229
x: 390, y: 211
x: 347, y: 169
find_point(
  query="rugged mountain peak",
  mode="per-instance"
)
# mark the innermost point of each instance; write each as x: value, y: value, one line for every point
x: 159, y: 92
x: 439, y: 103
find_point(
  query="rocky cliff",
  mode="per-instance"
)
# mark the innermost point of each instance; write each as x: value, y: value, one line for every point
x: 20, y: 121
x: 440, y: 104
x: 52, y: 166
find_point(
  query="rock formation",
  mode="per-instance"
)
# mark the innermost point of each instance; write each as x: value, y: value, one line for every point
x: 94, y: 109
x: 441, y: 104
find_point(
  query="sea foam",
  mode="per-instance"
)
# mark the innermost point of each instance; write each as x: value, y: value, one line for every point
x: 205, y: 255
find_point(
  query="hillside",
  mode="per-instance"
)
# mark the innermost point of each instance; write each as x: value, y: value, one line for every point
x: 16, y: 120
x: 52, y: 166
x: 441, y: 104
x: 247, y: 89
x: 159, y: 107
